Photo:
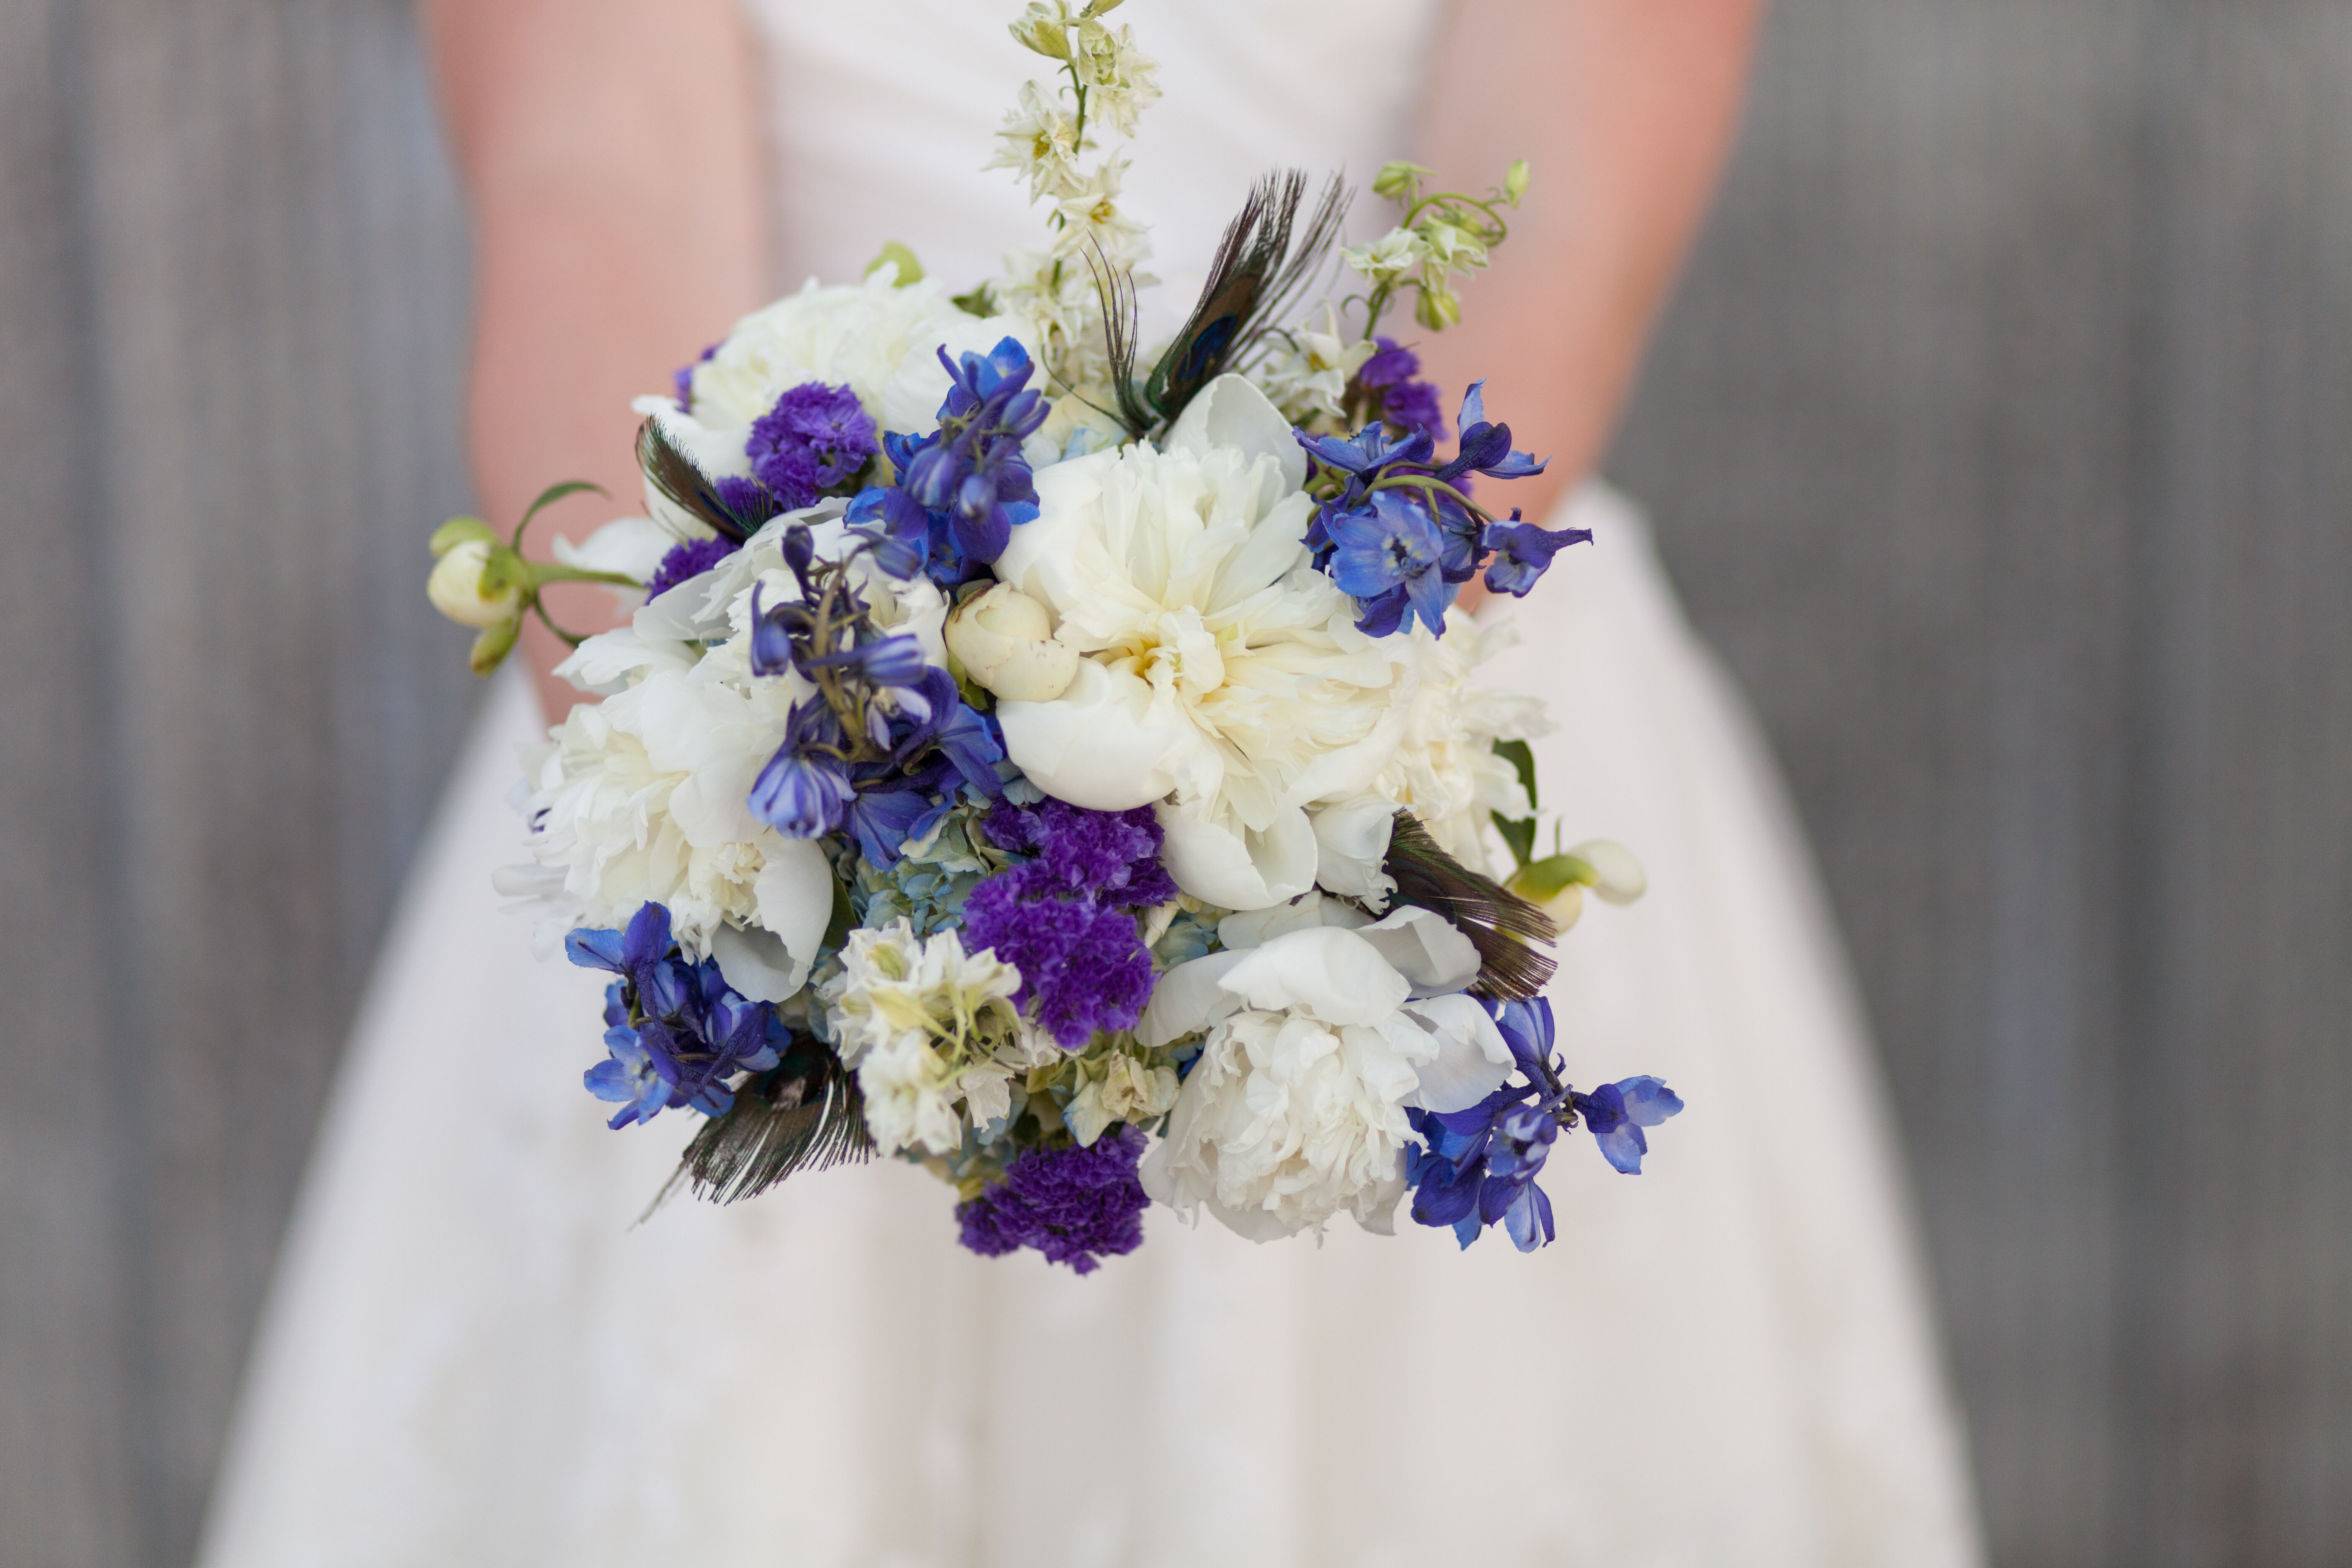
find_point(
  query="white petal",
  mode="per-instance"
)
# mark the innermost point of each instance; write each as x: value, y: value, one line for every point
x: 793, y: 895
x: 1230, y: 412
x: 757, y: 965
x: 1331, y: 974
x: 1426, y: 949
x: 1187, y: 998
x: 1353, y: 838
x: 633, y: 546
x: 1472, y: 1058
x: 1254, y: 928
x: 1100, y: 745
x: 1237, y: 870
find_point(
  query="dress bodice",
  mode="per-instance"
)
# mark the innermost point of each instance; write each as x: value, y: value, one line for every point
x: 880, y: 113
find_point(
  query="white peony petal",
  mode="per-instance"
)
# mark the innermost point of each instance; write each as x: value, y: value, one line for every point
x: 1472, y: 1058
x: 1187, y: 998
x: 794, y: 894
x: 1101, y: 744
x: 756, y: 963
x: 1332, y: 975
x: 1254, y: 928
x: 1352, y: 839
x: 1230, y: 412
x: 1426, y: 949
x: 1244, y: 870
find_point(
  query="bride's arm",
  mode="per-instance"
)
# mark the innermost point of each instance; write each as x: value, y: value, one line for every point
x: 1625, y: 111
x: 610, y: 152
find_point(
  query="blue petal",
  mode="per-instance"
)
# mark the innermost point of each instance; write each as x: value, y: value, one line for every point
x: 1648, y: 1100
x: 1624, y: 1146
x: 591, y: 948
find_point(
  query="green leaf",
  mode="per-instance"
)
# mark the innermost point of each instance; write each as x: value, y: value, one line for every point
x: 909, y: 269
x: 836, y: 932
x: 1520, y: 836
x: 505, y: 569
x: 553, y: 494
x: 459, y: 531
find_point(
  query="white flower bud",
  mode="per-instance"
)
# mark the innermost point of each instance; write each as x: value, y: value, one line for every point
x: 1004, y: 641
x: 457, y: 591
x: 1617, y: 877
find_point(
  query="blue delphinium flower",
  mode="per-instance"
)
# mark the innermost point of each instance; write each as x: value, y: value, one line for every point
x: 815, y: 437
x: 1523, y: 553
x: 676, y: 1031
x: 1396, y: 529
x: 1389, y: 558
x: 1477, y: 1166
x: 963, y: 489
x: 1074, y: 1205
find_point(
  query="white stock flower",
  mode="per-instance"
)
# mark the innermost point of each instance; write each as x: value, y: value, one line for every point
x: 1317, y: 1044
x: 1223, y: 678
x: 927, y: 1026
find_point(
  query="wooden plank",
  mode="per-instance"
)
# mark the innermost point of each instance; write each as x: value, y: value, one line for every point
x: 2000, y: 442
x: 66, y: 1436
x: 1888, y: 436
x: 2239, y: 1178
x: 276, y: 251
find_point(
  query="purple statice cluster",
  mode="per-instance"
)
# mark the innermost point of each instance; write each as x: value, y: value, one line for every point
x: 815, y: 437
x: 1397, y: 531
x: 1066, y: 917
x: 885, y: 741
x: 1479, y: 1166
x: 962, y: 489
x: 1399, y: 398
x: 691, y: 558
x: 675, y: 1030
x: 1075, y: 1206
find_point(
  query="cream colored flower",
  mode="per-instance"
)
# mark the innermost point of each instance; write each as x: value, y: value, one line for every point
x: 1117, y: 1088
x: 1223, y: 678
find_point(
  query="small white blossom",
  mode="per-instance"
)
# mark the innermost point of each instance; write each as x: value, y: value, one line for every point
x: 1117, y: 1088
x: 1092, y: 213
x: 928, y: 1026
x: 1312, y: 377
x: 1445, y: 769
x: 1121, y: 81
x: 1040, y: 143
x: 1389, y: 257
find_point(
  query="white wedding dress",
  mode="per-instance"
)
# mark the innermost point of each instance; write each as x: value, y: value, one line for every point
x: 474, y: 1358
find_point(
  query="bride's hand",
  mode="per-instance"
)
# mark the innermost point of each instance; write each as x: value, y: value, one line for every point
x: 1624, y: 110
x: 609, y: 151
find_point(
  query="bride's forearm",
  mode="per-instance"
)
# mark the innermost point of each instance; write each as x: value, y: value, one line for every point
x: 1625, y: 111
x: 610, y: 154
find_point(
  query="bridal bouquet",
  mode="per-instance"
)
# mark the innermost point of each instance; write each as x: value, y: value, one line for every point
x: 1059, y: 762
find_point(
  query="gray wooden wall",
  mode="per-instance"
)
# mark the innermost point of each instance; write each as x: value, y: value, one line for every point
x: 2002, y: 439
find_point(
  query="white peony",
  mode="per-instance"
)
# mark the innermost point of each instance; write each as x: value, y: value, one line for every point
x: 643, y: 798
x: 1444, y: 770
x: 1222, y: 678
x: 928, y: 1027
x: 1318, y: 1041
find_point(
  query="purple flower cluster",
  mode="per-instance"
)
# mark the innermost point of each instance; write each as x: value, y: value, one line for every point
x: 675, y: 1030
x: 1478, y: 1166
x: 1074, y: 1205
x: 816, y: 437
x: 1403, y: 401
x: 690, y: 559
x: 1066, y: 918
